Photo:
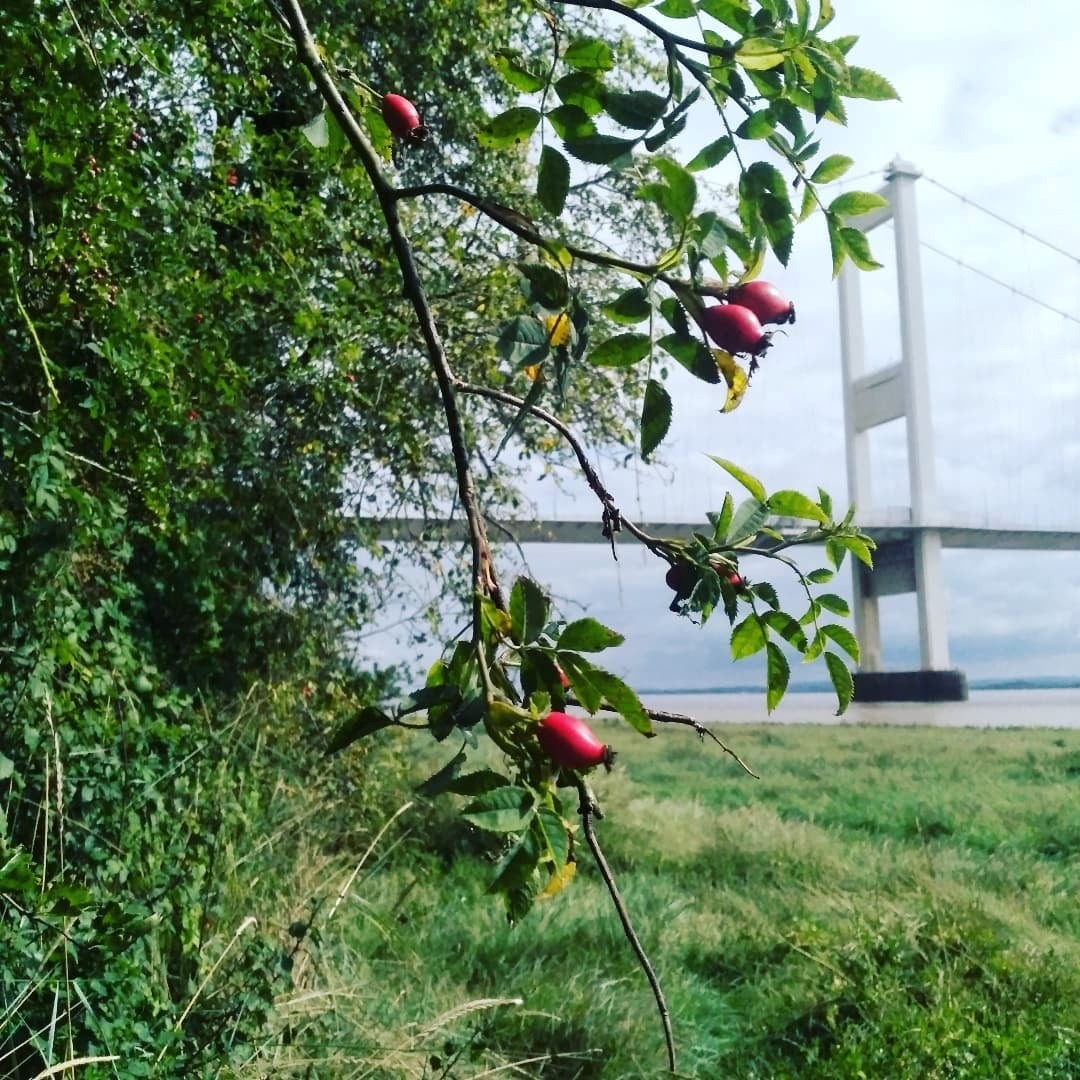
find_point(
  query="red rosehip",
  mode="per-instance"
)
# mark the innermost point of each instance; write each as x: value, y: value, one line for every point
x: 569, y: 742
x: 735, y: 329
x: 402, y: 118
x: 765, y: 300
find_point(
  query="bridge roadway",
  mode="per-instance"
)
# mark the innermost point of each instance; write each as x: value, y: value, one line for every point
x: 886, y: 531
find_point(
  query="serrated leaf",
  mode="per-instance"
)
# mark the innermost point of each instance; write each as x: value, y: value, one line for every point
x: 590, y: 54
x: 832, y: 168
x: 655, y: 417
x: 441, y: 781
x: 636, y: 109
x: 764, y: 590
x: 747, y: 637
x: 670, y: 129
x: 624, y: 701
x: 856, y: 203
x: 682, y: 186
x: 864, y: 83
x: 477, y: 783
x: 859, y: 547
x: 503, y: 809
x: 588, y: 635
x: 582, y: 676
x: 777, y: 674
x: 712, y: 154
x: 692, y: 354
x: 797, y: 505
x: 749, y: 517
x: 623, y: 350
x: 759, y: 54
x: 550, y: 831
x: 552, y: 180
x: 598, y: 149
x: 758, y: 125
x: 583, y: 90
x: 722, y: 521
x: 842, y: 636
x: 787, y: 627
x: 820, y: 576
x: 528, y: 611
x: 547, y: 286
x: 858, y: 248
x: 367, y: 721
x: 836, y: 604
x: 733, y: 13
x: 677, y: 9
x: 513, y: 68
x: 522, y: 341
x: 571, y: 122
x: 842, y: 681
x: 751, y: 483
x: 632, y: 306
x: 836, y: 552
x: 508, y: 128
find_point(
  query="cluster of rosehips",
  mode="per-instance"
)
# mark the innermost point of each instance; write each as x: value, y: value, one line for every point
x: 682, y: 577
x: 737, y: 325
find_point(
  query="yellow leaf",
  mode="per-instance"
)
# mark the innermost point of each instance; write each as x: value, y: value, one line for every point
x: 558, y: 880
x: 558, y: 328
x: 735, y: 377
x: 533, y: 371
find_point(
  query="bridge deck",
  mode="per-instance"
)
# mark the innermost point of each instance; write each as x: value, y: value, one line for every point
x: 589, y: 532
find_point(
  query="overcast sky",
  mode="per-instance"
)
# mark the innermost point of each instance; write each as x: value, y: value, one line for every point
x: 990, y: 110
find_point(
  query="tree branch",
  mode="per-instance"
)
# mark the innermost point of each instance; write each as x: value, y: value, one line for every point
x: 726, y: 52
x: 587, y: 809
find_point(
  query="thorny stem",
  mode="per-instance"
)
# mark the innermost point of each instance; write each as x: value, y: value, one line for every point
x: 662, y: 717
x: 587, y: 808
x: 612, y: 515
x: 483, y: 574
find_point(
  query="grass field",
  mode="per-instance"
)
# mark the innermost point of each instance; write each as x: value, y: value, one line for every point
x: 882, y: 903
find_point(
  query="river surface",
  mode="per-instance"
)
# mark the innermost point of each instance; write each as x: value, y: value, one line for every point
x: 1057, y: 708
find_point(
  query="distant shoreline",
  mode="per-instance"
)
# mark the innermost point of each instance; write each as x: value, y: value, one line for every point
x: 1051, y: 682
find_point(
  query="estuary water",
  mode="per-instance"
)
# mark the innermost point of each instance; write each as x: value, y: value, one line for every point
x: 1051, y: 708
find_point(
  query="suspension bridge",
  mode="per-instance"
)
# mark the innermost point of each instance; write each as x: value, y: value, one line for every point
x: 910, y: 539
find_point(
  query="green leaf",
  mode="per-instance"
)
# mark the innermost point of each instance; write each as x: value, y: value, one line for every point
x: 632, y: 306
x: 598, y: 149
x: 777, y: 674
x: 842, y: 681
x: 747, y: 637
x: 821, y: 576
x: 858, y: 248
x: 832, y: 168
x: 856, y: 203
x: 722, y: 521
x: 590, y: 54
x: 637, y: 109
x: 510, y: 127
x: 670, y: 129
x: 843, y: 637
x: 547, y: 286
x: 836, y: 551
x: 588, y: 635
x: 759, y: 54
x: 513, y: 68
x: 733, y: 13
x: 522, y: 341
x: 623, y: 350
x: 624, y: 701
x: 836, y: 604
x: 864, y: 83
x: 693, y: 355
x: 749, y: 517
x: 859, y: 547
x: 571, y: 122
x: 751, y: 483
x: 655, y: 417
x: 797, y: 505
x: 528, y: 611
x: 477, y: 783
x: 758, y: 125
x: 787, y: 627
x: 552, y: 180
x: 503, y: 809
x: 439, y: 782
x: 367, y: 721
x: 585, y: 91
x: 582, y: 676
x: 712, y: 154
x: 676, y: 9
x: 682, y: 186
